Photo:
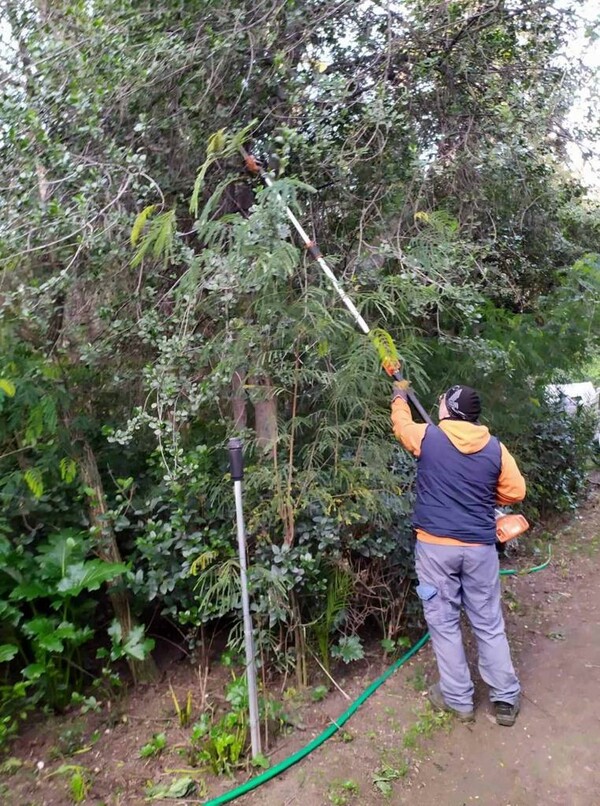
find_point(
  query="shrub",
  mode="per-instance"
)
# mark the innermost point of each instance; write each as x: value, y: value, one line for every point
x: 554, y: 454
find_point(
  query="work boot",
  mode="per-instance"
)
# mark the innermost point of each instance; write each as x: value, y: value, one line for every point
x: 436, y: 698
x: 506, y: 714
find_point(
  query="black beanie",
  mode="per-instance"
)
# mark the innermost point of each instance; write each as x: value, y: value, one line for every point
x: 463, y: 403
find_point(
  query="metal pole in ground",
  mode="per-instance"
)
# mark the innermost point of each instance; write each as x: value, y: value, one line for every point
x: 236, y: 464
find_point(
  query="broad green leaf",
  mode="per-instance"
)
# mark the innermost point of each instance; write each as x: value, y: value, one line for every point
x: 181, y: 788
x: 115, y: 631
x: 61, y: 549
x: 29, y: 591
x: 7, y: 387
x: 40, y: 625
x: 88, y: 575
x: 34, y: 671
x: 10, y: 613
x: 51, y: 642
x: 8, y: 652
x: 136, y: 645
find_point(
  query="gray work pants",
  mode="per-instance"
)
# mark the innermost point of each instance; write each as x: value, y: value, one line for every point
x: 455, y: 576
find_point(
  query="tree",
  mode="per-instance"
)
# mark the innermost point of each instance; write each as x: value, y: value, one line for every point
x: 423, y: 144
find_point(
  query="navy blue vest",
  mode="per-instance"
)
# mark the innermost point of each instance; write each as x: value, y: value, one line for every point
x: 456, y: 492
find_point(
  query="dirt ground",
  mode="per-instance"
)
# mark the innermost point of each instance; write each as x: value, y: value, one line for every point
x: 550, y: 757
x: 394, y: 750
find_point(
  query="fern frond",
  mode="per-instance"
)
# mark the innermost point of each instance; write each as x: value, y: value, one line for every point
x: 203, y: 561
x: 33, y: 479
x: 7, y: 387
x: 140, y: 223
x: 159, y: 239
x: 68, y: 469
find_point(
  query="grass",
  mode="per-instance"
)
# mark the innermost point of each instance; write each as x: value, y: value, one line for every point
x: 511, y: 602
x: 427, y: 722
x: 342, y: 793
x: 417, y: 679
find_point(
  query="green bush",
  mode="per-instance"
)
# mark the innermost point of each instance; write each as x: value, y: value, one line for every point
x: 554, y: 452
x: 47, y: 602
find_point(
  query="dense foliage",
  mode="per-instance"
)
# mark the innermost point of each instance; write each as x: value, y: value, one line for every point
x: 154, y: 302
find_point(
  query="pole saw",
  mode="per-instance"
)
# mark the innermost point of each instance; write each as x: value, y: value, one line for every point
x: 507, y: 526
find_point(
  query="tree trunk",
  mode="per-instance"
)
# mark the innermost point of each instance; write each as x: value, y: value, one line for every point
x: 238, y: 399
x: 265, y: 415
x: 142, y: 671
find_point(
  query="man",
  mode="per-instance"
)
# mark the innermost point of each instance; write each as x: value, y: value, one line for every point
x: 462, y: 473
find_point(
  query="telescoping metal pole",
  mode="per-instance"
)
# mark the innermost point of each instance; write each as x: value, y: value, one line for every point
x: 313, y: 250
x: 236, y: 465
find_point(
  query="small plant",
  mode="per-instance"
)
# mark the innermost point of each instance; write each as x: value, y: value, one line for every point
x: 136, y: 646
x: 87, y: 703
x: 260, y: 762
x: 417, y: 680
x: 385, y: 774
x: 10, y: 765
x: 184, y: 714
x: 182, y: 787
x: 69, y: 741
x: 154, y: 747
x: 427, y: 722
x: 319, y: 693
x: 78, y: 787
x: 226, y: 742
x: 220, y: 744
x: 14, y: 707
x: 341, y: 793
x: 78, y: 781
x: 393, y: 646
x: 349, y: 648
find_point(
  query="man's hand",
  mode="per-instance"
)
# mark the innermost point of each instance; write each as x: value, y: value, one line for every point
x: 400, y: 390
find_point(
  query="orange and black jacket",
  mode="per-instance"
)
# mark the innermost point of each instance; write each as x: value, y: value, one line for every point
x: 467, y: 438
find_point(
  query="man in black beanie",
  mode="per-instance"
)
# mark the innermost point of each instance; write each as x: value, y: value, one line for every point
x: 462, y: 473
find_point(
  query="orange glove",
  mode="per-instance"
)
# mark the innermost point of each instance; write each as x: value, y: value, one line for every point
x: 400, y: 390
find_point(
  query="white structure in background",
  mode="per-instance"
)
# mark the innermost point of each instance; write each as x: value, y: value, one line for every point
x: 574, y: 395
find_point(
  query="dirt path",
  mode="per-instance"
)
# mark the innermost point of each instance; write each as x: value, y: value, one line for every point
x: 398, y: 752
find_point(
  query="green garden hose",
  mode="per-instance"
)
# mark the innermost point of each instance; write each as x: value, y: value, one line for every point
x: 288, y: 762
x: 511, y: 572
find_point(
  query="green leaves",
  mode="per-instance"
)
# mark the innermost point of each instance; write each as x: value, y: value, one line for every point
x: 51, y: 635
x: 7, y: 387
x: 136, y: 646
x: 349, y: 648
x: 8, y: 652
x: 68, y: 470
x: 88, y: 575
x: 33, y: 479
x: 182, y: 787
x: 155, y: 746
x: 220, y: 145
x: 140, y: 223
x: 159, y: 240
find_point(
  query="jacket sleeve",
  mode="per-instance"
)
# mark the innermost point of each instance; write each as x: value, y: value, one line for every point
x: 409, y: 433
x: 511, y: 485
